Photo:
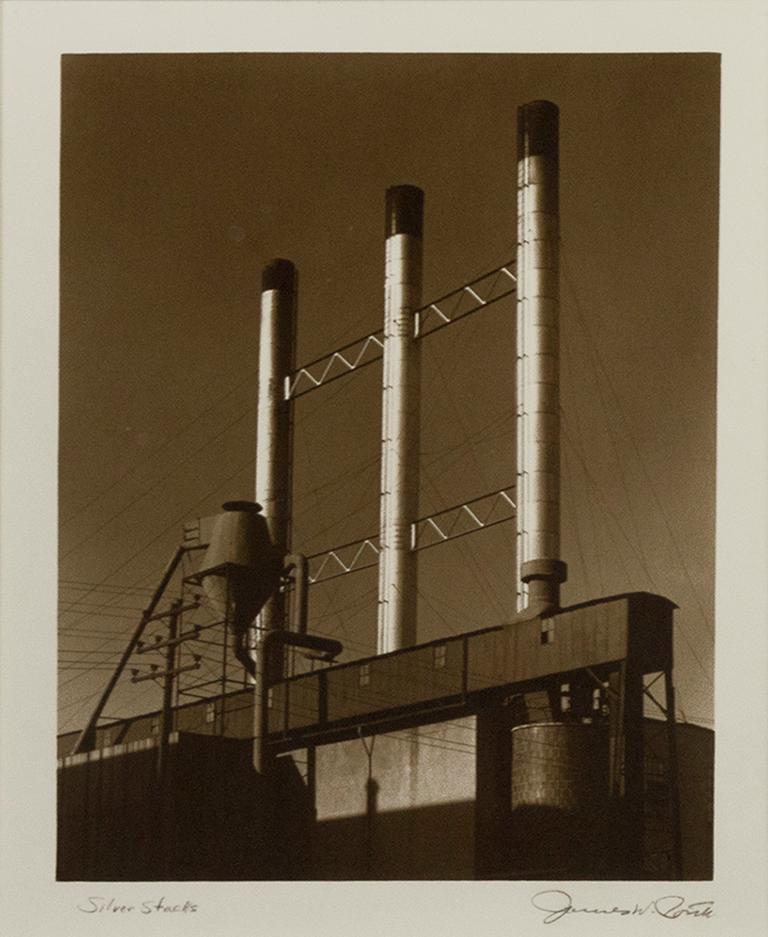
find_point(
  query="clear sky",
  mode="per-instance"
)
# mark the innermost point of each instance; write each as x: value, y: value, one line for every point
x: 182, y: 176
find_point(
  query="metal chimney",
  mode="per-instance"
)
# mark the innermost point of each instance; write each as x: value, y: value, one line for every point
x: 538, y: 357
x: 273, y: 429
x: 400, y: 418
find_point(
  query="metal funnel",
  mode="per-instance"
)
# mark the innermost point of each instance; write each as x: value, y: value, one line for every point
x: 241, y: 567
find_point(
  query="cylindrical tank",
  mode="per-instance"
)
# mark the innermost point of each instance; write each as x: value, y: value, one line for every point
x: 560, y: 805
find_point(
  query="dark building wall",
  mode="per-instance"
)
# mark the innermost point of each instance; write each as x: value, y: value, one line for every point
x: 436, y: 802
x: 212, y: 818
x: 696, y: 752
x: 528, y: 802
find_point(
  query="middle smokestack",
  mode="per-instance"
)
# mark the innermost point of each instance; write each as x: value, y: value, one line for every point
x: 538, y: 356
x: 400, y: 418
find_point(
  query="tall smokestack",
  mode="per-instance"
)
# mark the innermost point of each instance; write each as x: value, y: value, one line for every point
x: 273, y: 430
x: 400, y: 418
x: 538, y: 356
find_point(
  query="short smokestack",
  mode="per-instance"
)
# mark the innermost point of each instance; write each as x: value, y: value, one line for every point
x: 538, y: 356
x: 273, y: 429
x: 400, y: 418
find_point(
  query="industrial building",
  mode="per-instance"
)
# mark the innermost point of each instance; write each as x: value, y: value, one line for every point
x: 521, y: 750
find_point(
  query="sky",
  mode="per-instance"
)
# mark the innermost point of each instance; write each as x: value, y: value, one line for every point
x: 182, y: 176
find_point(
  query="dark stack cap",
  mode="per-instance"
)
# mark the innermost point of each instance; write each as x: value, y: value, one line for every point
x: 278, y: 274
x: 405, y: 210
x: 537, y: 129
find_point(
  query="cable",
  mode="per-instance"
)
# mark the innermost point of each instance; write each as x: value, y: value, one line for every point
x: 173, y: 524
x: 645, y: 569
x: 643, y: 466
x: 166, y: 442
x: 569, y: 485
x: 155, y: 484
x: 489, y: 591
x: 68, y: 585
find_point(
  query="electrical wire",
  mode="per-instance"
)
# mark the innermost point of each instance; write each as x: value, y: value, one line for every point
x: 611, y: 514
x: 174, y: 523
x: 156, y: 483
x: 599, y: 363
x: 247, y: 380
x: 568, y: 485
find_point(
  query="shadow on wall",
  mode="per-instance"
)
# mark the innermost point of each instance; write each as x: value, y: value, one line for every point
x: 420, y: 843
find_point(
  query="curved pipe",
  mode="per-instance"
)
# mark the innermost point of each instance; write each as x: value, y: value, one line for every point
x: 297, y: 564
x: 267, y: 642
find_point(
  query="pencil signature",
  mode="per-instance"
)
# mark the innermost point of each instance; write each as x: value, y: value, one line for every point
x: 556, y: 904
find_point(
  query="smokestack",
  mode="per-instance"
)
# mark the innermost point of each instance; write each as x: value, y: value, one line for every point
x: 538, y: 357
x: 273, y: 430
x: 400, y: 418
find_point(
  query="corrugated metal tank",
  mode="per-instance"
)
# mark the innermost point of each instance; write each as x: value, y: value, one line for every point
x: 559, y: 794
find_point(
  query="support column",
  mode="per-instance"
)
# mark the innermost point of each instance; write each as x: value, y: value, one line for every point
x: 273, y: 430
x: 673, y: 774
x: 538, y: 366
x: 400, y: 419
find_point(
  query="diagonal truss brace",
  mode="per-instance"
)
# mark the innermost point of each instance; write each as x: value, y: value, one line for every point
x: 497, y: 507
x: 462, y: 519
x: 349, y: 558
x: 343, y: 361
x: 470, y: 297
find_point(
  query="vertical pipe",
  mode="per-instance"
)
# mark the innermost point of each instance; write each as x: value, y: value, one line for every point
x: 273, y: 431
x: 538, y: 392
x: 261, y: 704
x: 297, y: 566
x: 400, y: 418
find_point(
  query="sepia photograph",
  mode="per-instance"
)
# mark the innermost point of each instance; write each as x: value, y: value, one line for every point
x: 387, y: 468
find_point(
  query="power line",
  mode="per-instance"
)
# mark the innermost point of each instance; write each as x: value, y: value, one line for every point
x: 156, y: 483
x: 594, y: 350
x: 621, y: 529
x: 166, y: 442
x: 164, y: 531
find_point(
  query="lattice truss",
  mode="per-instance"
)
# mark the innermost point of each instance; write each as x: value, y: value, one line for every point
x: 470, y: 297
x: 456, y: 521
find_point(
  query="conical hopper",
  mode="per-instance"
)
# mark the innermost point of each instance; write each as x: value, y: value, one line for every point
x: 241, y: 567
